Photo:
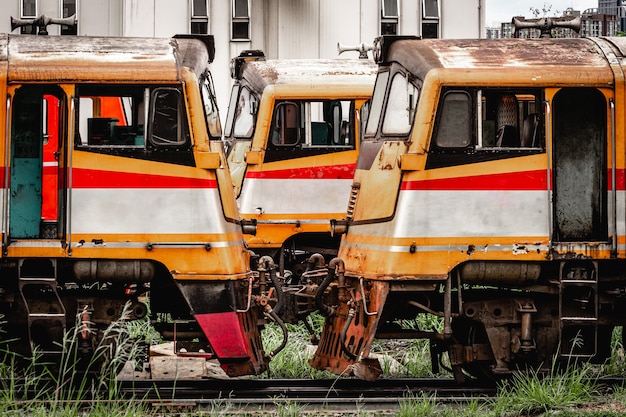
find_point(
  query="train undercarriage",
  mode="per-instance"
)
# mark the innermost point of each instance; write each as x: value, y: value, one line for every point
x: 497, y: 318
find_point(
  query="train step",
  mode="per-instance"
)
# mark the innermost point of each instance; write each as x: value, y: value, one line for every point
x: 45, y: 312
x: 578, y: 309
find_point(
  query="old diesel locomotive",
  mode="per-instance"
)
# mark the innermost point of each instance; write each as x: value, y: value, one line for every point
x: 293, y: 135
x: 489, y: 191
x: 114, y: 185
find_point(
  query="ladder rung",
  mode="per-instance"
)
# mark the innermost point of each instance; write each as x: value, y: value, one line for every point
x: 42, y: 279
x: 578, y: 318
x: 573, y: 355
x: 46, y: 315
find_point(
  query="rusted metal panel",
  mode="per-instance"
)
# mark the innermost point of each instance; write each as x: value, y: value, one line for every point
x: 540, y: 55
x: 310, y: 72
x: 59, y: 59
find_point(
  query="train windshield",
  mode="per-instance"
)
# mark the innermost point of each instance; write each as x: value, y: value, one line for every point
x: 376, y: 106
x: 211, y: 113
x: 401, y: 106
x: 241, y: 117
x: 395, y: 117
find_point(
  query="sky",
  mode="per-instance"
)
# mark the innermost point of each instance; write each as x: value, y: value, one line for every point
x: 497, y: 11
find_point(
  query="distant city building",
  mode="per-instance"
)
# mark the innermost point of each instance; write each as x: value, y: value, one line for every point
x: 593, y: 22
x: 613, y: 7
x: 596, y: 23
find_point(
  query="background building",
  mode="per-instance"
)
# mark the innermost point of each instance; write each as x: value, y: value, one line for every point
x: 281, y: 28
x: 606, y: 20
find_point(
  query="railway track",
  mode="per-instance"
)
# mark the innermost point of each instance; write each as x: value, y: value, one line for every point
x: 299, y: 388
x: 330, y: 395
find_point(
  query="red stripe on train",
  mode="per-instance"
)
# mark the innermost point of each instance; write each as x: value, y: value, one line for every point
x: 341, y: 172
x: 514, y: 181
x: 93, y: 178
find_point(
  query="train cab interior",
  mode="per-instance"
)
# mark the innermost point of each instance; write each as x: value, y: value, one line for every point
x: 310, y: 124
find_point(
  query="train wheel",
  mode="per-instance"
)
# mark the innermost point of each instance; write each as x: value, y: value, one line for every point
x: 470, y: 333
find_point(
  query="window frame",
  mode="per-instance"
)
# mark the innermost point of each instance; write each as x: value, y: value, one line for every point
x: 439, y: 126
x: 69, y: 30
x: 199, y: 20
x: 298, y: 123
x: 209, y: 104
x: 339, y: 115
x: 431, y: 17
x: 377, y: 103
x: 389, y: 21
x: 181, y: 117
x: 239, y: 19
x: 387, y: 113
x: 252, y: 106
x: 430, y: 25
x: 84, y: 99
x: 384, y: 13
x: 23, y: 15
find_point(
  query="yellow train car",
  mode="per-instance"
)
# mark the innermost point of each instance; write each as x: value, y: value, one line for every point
x: 114, y: 188
x: 489, y: 191
x: 293, y: 132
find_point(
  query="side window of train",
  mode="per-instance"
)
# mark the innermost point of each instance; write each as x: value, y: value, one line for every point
x: 286, y: 125
x: 111, y: 117
x: 168, y: 122
x: 510, y: 120
x: 474, y: 125
x: 454, y: 125
x: 302, y: 128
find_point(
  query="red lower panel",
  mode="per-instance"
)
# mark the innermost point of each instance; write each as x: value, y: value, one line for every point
x: 225, y: 334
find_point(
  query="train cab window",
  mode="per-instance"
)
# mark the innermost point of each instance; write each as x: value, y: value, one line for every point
x: 110, y: 118
x: 401, y: 106
x: 286, y: 126
x: 376, y: 107
x: 116, y: 118
x: 314, y: 125
x: 209, y: 102
x: 486, y: 124
x: 168, y: 122
x: 455, y: 124
x: 509, y: 119
x: 244, y: 116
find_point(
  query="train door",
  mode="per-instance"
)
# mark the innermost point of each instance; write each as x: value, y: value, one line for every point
x: 34, y: 152
x: 580, y: 214
x: 579, y: 166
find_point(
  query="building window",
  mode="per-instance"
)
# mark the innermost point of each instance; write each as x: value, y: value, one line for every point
x: 199, y: 17
x: 69, y: 9
x: 389, y: 17
x: 28, y: 10
x: 240, y: 28
x: 430, y: 19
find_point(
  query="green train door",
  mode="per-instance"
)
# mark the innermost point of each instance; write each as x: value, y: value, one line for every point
x: 34, y: 181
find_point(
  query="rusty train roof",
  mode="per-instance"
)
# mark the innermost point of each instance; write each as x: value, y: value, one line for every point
x: 30, y: 58
x: 309, y: 72
x: 540, y: 55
